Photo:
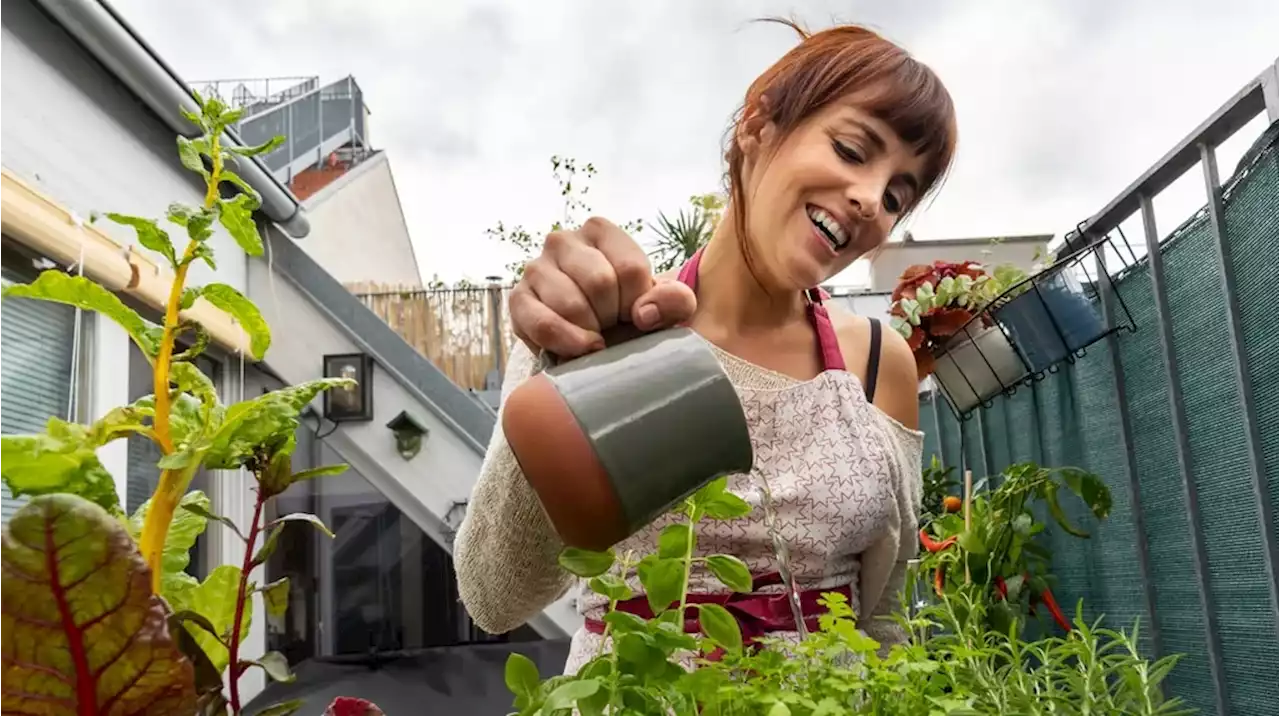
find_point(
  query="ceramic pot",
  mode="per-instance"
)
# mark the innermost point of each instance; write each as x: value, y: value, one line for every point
x: 1052, y: 320
x: 973, y: 370
x: 613, y: 439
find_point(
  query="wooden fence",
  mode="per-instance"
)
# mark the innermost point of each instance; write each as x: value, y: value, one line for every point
x: 465, y: 332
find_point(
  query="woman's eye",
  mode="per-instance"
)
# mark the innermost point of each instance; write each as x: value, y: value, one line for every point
x: 891, y: 203
x: 847, y: 153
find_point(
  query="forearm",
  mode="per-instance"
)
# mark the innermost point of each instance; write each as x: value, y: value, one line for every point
x: 505, y: 550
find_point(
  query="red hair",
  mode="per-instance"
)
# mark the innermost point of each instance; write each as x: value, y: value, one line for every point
x: 834, y: 63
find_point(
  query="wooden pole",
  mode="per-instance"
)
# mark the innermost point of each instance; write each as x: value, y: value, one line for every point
x: 968, y: 524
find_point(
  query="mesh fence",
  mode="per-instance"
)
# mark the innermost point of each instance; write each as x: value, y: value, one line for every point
x: 1073, y: 418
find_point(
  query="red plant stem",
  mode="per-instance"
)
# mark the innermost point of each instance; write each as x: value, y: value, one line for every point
x: 234, y: 646
x: 1052, y: 605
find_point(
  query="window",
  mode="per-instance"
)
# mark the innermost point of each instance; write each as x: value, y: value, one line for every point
x: 143, y: 474
x: 36, y: 342
x: 381, y: 584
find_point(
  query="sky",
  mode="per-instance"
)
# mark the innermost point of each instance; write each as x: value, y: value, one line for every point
x: 1061, y: 103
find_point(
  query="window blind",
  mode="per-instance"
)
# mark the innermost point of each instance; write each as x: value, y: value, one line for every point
x: 35, y: 372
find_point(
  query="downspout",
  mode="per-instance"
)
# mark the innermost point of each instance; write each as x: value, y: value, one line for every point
x: 113, y: 43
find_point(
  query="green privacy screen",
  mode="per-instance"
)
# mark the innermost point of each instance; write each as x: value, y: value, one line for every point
x: 1073, y: 418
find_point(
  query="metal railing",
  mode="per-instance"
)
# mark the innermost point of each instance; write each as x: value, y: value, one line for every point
x: 1111, y: 414
x: 257, y: 94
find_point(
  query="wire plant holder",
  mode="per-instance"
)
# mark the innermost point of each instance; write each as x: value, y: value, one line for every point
x: 1034, y: 327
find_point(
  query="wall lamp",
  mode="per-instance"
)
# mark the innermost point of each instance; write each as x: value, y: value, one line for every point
x: 409, y: 434
x: 353, y: 403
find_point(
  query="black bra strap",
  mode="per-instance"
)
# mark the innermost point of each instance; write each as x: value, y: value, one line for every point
x: 873, y: 360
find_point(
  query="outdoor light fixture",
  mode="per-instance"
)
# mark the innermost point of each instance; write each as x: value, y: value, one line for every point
x: 409, y: 434
x: 352, y: 403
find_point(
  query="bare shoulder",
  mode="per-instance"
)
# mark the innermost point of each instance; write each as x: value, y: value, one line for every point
x: 897, y: 386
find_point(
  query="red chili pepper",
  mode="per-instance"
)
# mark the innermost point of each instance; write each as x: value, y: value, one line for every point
x: 930, y: 545
x: 939, y: 578
x: 1052, y: 605
x: 1001, y: 588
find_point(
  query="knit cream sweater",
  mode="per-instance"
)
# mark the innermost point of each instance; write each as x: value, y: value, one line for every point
x: 505, y: 552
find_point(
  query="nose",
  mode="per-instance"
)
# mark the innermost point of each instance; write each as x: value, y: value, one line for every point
x: 864, y: 199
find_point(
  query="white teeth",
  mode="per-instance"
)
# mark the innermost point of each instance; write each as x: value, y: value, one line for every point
x: 835, y: 232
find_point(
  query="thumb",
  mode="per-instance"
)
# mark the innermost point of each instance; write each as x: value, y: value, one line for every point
x: 668, y: 303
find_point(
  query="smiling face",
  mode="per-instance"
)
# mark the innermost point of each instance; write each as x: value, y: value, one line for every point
x: 826, y: 193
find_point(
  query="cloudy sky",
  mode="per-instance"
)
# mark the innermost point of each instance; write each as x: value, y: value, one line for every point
x: 1061, y: 103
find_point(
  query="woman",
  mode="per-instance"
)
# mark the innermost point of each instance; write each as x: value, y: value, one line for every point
x: 833, y: 146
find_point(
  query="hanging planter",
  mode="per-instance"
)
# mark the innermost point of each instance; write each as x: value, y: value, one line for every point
x: 1052, y: 318
x: 940, y: 310
x: 974, y: 369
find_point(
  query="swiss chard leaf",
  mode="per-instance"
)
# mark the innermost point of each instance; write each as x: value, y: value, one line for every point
x: 62, y: 459
x: 265, y: 148
x: 275, y: 598
x: 149, y: 233
x: 237, y: 218
x: 251, y: 423
x: 79, y: 291
x: 215, y: 600
x: 246, y: 314
x: 187, y: 526
x: 83, y: 632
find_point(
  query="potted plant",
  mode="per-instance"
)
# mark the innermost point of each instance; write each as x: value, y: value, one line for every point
x: 933, y: 308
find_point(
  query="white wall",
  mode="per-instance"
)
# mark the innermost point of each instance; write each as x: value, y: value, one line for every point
x: 358, y: 232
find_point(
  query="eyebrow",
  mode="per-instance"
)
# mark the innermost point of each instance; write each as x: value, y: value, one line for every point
x: 908, y: 178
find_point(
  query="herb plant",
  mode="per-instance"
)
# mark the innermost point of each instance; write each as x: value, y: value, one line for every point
x: 99, y: 614
x: 952, y: 662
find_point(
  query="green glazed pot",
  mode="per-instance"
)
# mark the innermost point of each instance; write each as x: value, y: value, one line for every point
x: 613, y: 439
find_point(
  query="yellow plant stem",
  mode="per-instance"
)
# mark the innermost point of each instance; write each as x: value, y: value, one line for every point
x: 155, y: 526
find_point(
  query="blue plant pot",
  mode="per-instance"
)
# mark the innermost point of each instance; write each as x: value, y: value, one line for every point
x: 1052, y: 320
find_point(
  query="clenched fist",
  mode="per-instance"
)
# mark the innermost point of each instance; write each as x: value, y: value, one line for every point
x: 584, y: 283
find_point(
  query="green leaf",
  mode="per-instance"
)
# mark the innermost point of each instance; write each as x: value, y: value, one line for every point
x: 275, y: 597
x: 149, y: 235
x: 302, y: 517
x: 610, y: 586
x: 79, y: 291
x: 1090, y: 488
x: 208, y: 682
x: 189, y: 296
x: 663, y: 580
x: 567, y: 694
x: 675, y: 541
x: 727, y: 506
x: 215, y: 600
x: 521, y: 675
x: 265, y: 148
x: 275, y: 665
x: 237, y: 219
x: 203, y: 512
x: 1055, y: 511
x: 246, y: 314
x: 585, y: 563
x: 62, y: 459
x: 253, y: 199
x: 731, y: 571
x: 205, y: 253
x: 972, y: 542
x: 710, y: 491
x: 75, y: 584
x: 189, y: 151
x: 252, y: 423
x: 268, y: 546
x: 720, y: 626
x: 284, y: 708
x: 190, y: 379
x: 322, y: 471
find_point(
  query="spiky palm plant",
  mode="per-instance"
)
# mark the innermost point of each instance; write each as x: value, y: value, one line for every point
x: 678, y: 240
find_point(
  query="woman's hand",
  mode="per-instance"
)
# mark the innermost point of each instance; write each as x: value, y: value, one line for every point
x: 587, y: 281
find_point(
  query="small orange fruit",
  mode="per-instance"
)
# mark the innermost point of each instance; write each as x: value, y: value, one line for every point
x: 951, y: 503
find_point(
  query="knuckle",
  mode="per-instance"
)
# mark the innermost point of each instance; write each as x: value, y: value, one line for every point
x: 557, y: 240
x: 597, y: 282
x: 632, y: 268
x: 596, y: 225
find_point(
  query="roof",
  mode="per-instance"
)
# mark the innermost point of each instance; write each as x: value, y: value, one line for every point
x: 111, y: 41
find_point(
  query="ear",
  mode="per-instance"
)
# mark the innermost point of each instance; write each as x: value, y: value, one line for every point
x: 756, y: 130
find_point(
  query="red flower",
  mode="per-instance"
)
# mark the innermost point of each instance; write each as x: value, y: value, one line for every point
x: 350, y: 706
